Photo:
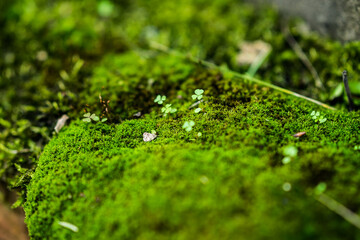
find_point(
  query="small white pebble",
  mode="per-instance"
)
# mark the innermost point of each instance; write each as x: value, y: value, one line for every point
x: 148, y: 137
x: 138, y: 114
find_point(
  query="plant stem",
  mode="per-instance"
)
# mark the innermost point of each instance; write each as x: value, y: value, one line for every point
x: 347, y: 89
x: 236, y: 75
x: 340, y: 209
x: 302, y: 56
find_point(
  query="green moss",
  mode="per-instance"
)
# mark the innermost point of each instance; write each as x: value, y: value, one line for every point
x: 132, y: 80
x: 227, y: 183
x: 42, y: 41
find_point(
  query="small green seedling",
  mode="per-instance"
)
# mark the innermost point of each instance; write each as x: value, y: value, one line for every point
x: 357, y: 147
x: 160, y: 99
x: 289, y: 152
x: 88, y: 117
x: 197, y: 110
x: 168, y: 109
x: 188, y: 125
x: 320, y: 188
x: 198, y: 94
x: 317, y: 117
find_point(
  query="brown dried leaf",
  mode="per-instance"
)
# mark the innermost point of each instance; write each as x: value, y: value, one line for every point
x: 299, y: 134
x: 250, y: 51
x: 60, y: 123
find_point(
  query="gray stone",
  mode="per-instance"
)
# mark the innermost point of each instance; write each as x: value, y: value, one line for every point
x: 339, y: 19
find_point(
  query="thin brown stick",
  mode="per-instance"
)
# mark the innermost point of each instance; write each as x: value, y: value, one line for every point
x: 347, y: 90
x: 236, y: 75
x: 302, y: 56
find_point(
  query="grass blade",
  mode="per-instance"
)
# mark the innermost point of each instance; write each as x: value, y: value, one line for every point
x: 236, y: 75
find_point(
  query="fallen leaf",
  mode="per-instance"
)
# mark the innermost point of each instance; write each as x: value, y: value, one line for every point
x: 250, y: 51
x: 61, y: 122
x: 299, y: 134
x: 138, y: 114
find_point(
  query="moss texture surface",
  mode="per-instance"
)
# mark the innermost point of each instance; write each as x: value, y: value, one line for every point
x: 49, y: 49
x: 244, y: 177
x: 226, y: 184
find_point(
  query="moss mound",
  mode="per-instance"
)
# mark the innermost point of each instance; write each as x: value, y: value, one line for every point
x: 229, y: 183
x: 237, y: 173
x: 51, y: 48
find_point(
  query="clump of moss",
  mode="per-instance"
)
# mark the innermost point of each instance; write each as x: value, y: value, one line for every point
x: 132, y: 80
x: 43, y: 42
x: 226, y: 183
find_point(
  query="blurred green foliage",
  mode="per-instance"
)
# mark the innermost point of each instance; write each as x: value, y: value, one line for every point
x: 58, y: 56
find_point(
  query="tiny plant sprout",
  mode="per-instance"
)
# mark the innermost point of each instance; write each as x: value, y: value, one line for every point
x: 289, y: 152
x: 197, y: 110
x: 188, y: 125
x: 160, y: 99
x: 317, y: 117
x: 198, y: 94
x: 94, y: 117
x: 168, y: 109
x: 88, y: 117
x: 320, y: 188
x: 286, y: 160
x: 322, y: 119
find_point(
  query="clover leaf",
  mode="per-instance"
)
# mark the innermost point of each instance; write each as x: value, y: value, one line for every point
x: 188, y: 125
x: 88, y: 117
x: 289, y: 152
x: 198, y: 94
x: 317, y: 117
x: 168, y: 109
x: 160, y: 99
x: 197, y: 110
x: 322, y: 119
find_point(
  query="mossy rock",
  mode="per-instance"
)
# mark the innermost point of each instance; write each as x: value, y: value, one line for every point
x: 52, y: 48
x: 228, y: 183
